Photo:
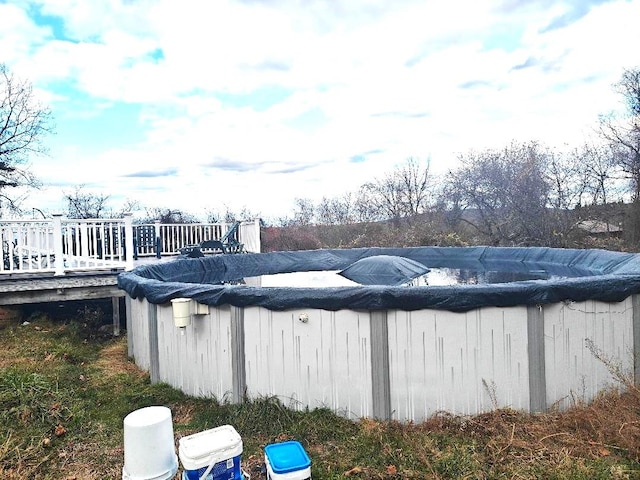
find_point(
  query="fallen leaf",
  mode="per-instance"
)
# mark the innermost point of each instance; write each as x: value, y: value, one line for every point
x: 604, y: 452
x: 25, y: 414
x: 353, y: 471
x: 60, y: 430
x: 392, y: 470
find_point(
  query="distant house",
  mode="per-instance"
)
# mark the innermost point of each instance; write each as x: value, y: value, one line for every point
x: 598, y: 228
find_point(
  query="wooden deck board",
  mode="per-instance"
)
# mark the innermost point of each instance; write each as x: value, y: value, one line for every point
x: 17, y: 290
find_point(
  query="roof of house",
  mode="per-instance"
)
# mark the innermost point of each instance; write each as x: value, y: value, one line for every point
x: 598, y: 226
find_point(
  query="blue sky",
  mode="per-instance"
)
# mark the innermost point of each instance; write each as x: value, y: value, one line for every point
x: 219, y: 104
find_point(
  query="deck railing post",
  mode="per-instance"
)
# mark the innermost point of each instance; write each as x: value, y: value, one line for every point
x: 257, y: 234
x: 58, y: 250
x: 128, y: 241
x: 158, y: 242
x: 83, y: 239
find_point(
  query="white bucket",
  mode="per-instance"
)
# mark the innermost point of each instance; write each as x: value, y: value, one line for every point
x: 287, y: 461
x: 149, y: 448
x: 212, y: 454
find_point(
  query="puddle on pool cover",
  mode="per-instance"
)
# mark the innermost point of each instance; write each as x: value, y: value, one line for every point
x: 435, y: 277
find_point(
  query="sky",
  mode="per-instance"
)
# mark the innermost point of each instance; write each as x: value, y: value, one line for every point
x: 204, y: 105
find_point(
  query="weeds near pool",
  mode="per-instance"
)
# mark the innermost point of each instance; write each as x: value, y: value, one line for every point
x: 613, y: 365
x: 56, y: 375
x: 492, y: 390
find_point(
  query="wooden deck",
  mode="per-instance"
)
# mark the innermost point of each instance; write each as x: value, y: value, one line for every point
x: 37, y: 288
x: 20, y: 289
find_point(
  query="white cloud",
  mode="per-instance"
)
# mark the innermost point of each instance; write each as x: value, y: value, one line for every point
x: 407, y: 78
x: 20, y: 35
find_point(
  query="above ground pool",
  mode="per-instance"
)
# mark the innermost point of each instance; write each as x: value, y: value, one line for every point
x: 545, y: 276
x: 387, y: 332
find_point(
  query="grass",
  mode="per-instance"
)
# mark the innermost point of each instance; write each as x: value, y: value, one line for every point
x: 64, y: 391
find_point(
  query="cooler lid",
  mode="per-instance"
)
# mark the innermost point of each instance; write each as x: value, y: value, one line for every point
x: 219, y: 440
x: 287, y: 456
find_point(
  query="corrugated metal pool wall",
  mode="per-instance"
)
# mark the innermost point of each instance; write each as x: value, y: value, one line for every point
x: 392, y: 364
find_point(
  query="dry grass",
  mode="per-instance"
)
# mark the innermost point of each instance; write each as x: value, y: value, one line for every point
x: 112, y: 360
x: 92, y: 385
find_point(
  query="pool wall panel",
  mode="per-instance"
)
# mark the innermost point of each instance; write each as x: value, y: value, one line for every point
x: 138, y: 336
x: 321, y: 362
x: 457, y: 362
x: 574, y: 374
x: 198, y: 362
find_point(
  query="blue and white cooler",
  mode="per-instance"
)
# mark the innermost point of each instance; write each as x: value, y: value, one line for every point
x: 211, y: 455
x: 287, y: 461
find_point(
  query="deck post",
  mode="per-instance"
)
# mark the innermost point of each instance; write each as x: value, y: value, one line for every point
x: 58, y: 250
x: 115, y: 306
x: 82, y: 240
x: 256, y: 224
x: 158, y: 242
x: 128, y: 241
x: 128, y: 306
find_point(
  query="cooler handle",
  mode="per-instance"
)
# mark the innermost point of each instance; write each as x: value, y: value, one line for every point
x: 212, y: 463
x: 208, y: 470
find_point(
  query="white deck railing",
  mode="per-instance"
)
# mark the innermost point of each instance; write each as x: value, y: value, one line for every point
x: 158, y: 239
x: 61, y: 245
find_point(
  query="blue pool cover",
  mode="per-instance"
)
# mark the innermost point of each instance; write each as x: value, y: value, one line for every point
x: 576, y: 275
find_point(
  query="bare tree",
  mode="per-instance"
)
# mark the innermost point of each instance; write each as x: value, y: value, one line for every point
x: 402, y: 192
x: 167, y: 216
x: 414, y: 178
x: 503, y: 194
x: 567, y: 178
x: 570, y: 178
x: 337, y: 210
x: 84, y: 204
x: 623, y: 134
x: 599, y: 166
x: 129, y: 206
x: 366, y: 208
x: 23, y: 124
x: 304, y: 214
x: 228, y: 215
